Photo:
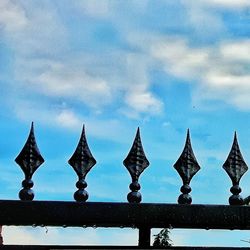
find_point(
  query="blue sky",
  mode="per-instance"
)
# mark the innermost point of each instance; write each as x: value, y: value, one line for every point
x: 164, y: 66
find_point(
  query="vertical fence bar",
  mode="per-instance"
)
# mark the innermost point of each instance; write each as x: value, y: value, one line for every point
x: 1, y: 237
x: 144, y: 237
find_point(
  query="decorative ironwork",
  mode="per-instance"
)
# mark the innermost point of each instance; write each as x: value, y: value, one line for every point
x: 136, y: 162
x: 29, y: 159
x: 187, y: 166
x: 235, y: 167
x: 82, y: 161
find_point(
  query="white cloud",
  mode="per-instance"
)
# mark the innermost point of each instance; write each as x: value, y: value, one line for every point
x: 46, y: 66
x: 136, y: 87
x: 109, y: 9
x: 204, y: 23
x: 220, y: 72
x: 98, y: 88
x: 236, y: 50
x: 68, y: 119
x: 144, y: 102
x: 32, y: 28
x: 68, y: 236
x: 95, y: 8
x: 64, y: 117
x: 215, y: 5
x: 227, y: 3
x: 180, y: 59
x: 12, y: 16
x: 44, y: 62
x: 58, y: 79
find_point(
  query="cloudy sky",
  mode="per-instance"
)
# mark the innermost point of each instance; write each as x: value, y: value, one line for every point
x: 164, y: 66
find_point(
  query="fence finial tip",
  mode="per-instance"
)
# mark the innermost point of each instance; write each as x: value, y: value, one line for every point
x: 235, y: 134
x: 83, y: 129
x: 188, y: 141
x: 137, y: 133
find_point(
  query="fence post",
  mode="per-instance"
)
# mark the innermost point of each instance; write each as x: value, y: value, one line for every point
x: 144, y: 236
x: 1, y: 237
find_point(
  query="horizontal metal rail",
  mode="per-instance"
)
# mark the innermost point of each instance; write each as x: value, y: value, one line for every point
x: 106, y: 214
x: 55, y: 247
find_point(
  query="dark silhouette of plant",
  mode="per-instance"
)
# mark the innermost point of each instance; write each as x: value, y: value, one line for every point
x: 162, y: 239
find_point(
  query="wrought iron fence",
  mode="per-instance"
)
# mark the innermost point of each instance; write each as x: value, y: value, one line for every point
x: 143, y: 216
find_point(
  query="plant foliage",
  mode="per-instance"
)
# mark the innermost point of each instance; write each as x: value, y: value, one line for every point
x: 162, y: 239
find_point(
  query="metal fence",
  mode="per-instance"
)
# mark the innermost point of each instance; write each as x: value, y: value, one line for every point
x: 133, y: 214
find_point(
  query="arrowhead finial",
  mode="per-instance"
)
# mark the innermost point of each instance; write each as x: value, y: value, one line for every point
x: 82, y: 161
x: 235, y: 167
x: 29, y: 159
x: 187, y: 166
x: 136, y: 162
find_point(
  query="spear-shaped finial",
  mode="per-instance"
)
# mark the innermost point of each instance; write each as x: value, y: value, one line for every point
x: 29, y: 159
x: 187, y: 166
x: 235, y: 167
x: 82, y: 161
x: 136, y: 162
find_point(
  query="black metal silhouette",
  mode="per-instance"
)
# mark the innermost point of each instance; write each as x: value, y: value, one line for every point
x: 136, y: 162
x: 115, y: 214
x: 29, y: 159
x: 82, y: 161
x: 187, y: 166
x: 235, y: 167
